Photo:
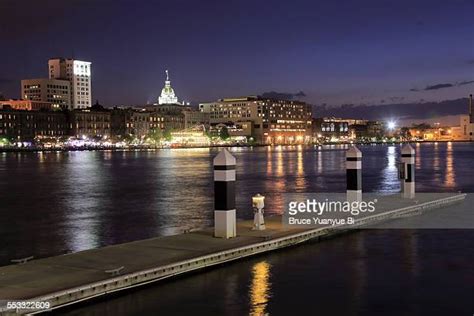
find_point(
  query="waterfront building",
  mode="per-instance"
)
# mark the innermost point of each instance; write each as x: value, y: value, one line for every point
x: 90, y: 122
x: 23, y: 125
x: 167, y: 93
x: 272, y: 121
x: 172, y: 115
x: 444, y: 133
x: 156, y: 122
x: 137, y: 123
x: 168, y: 111
x: 465, y: 131
x: 238, y: 131
x: 142, y: 123
x: 93, y: 122
x: 49, y: 124
x: 29, y: 105
x: 467, y: 127
x: 78, y: 74
x: 173, y: 122
x: 191, y: 137
x: 55, y: 91
x: 195, y: 118
x: 368, y: 129
x: 118, y: 121
x: 330, y: 129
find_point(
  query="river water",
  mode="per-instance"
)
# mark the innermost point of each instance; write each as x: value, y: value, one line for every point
x: 55, y: 203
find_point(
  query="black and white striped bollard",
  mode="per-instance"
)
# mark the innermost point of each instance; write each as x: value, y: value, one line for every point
x: 224, y: 195
x: 354, y: 174
x: 408, y: 159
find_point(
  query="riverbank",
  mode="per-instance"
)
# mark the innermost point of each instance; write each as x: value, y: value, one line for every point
x: 128, y: 148
x: 72, y: 278
x: 146, y: 148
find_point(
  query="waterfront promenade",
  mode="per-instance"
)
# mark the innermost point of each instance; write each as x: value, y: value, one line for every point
x: 238, y: 145
x: 72, y: 278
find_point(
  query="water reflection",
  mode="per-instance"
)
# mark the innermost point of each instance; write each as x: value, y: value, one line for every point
x: 260, y: 288
x: 410, y: 250
x: 300, y: 182
x: 450, y: 174
x: 279, y: 157
x: 320, y: 162
x: 269, y: 161
x: 41, y: 158
x: 81, y: 200
x: 85, y: 179
x: 418, y: 156
x: 360, y: 272
x: 436, y: 162
x: 390, y: 176
x: 278, y: 184
x: 300, y: 166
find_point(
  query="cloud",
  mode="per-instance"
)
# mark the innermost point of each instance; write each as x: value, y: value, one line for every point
x: 443, y: 86
x: 462, y: 83
x: 439, y: 86
x: 283, y: 95
x: 413, y: 110
x: 470, y: 62
x: 300, y: 94
x: 396, y: 99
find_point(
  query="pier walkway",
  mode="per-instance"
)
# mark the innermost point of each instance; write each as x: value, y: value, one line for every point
x: 71, y: 278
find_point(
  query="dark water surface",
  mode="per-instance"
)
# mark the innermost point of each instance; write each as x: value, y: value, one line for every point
x: 53, y: 203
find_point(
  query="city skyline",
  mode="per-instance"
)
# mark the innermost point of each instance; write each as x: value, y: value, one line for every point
x: 236, y: 157
x: 394, y: 53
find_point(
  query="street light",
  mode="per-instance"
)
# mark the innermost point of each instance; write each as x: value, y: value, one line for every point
x: 391, y: 125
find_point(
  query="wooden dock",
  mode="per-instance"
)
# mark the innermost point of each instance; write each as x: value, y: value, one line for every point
x: 72, y: 278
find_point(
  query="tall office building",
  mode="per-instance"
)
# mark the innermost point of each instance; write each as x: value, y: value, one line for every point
x: 78, y: 73
x: 55, y: 91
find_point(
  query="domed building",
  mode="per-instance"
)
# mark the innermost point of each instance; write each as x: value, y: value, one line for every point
x: 167, y: 93
x: 171, y: 112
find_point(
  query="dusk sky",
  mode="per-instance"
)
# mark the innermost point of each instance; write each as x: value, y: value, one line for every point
x: 367, y: 51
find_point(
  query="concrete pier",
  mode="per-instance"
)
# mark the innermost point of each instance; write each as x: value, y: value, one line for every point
x: 72, y: 278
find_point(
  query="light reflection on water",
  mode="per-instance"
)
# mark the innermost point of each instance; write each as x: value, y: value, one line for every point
x: 450, y: 177
x: 369, y: 272
x: 390, y: 182
x: 85, y: 212
x: 260, y: 288
x: 61, y: 202
x: 437, y: 162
